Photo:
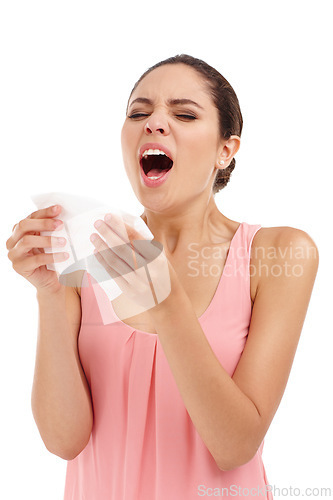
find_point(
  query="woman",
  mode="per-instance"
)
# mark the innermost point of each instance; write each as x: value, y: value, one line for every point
x: 174, y: 402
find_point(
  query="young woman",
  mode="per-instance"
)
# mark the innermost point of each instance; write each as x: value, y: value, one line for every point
x: 172, y: 402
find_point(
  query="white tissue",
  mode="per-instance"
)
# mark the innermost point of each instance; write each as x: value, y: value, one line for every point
x: 78, y: 215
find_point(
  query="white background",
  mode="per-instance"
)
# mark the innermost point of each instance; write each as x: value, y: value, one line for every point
x: 67, y: 69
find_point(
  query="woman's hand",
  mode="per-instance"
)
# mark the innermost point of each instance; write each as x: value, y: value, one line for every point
x: 26, y: 248
x: 139, y: 266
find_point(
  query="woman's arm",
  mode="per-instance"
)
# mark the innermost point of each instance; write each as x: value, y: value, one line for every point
x: 60, y: 399
x: 232, y: 414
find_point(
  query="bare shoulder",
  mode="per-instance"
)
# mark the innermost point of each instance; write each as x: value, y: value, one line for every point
x: 281, y: 250
x: 283, y: 242
x: 282, y: 235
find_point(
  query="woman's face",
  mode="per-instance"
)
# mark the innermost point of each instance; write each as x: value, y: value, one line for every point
x: 188, y: 132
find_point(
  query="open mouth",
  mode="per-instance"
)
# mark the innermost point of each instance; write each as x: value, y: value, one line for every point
x: 155, y: 163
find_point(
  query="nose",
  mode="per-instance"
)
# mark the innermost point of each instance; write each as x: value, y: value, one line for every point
x: 156, y: 123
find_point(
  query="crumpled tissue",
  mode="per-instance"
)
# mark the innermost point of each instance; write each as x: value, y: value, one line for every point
x: 78, y: 215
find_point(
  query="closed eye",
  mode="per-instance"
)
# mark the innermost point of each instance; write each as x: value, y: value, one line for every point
x: 140, y: 115
x: 188, y: 117
x: 137, y: 115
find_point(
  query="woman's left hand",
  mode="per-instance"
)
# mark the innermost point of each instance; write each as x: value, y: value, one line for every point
x: 139, y: 266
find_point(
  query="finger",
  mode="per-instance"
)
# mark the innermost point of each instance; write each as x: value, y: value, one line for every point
x: 31, y: 263
x: 44, y: 213
x: 126, y: 232
x: 124, y: 250
x: 29, y: 242
x: 149, y: 250
x: 112, y: 259
x: 32, y: 226
x: 118, y: 278
x: 117, y: 225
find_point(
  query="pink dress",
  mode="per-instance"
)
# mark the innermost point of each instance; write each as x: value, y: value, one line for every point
x: 144, y: 445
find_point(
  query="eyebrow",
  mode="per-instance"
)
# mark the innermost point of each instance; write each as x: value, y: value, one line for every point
x: 170, y: 102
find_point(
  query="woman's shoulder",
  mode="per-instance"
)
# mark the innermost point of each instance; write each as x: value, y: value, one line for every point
x: 280, y: 247
x: 282, y: 237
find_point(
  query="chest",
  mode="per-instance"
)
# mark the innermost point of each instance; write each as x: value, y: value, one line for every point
x: 199, y: 272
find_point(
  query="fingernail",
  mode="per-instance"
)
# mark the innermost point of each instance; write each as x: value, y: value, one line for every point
x: 58, y: 224
x: 98, y: 223
x: 93, y: 237
x: 108, y: 218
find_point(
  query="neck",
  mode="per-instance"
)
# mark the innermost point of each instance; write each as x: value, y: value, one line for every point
x: 198, y: 222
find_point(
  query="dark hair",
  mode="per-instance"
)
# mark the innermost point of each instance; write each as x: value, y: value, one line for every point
x: 225, y: 100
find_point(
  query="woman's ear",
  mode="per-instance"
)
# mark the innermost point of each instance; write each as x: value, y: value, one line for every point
x: 227, y: 151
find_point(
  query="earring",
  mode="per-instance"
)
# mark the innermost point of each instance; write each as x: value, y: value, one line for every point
x: 221, y: 162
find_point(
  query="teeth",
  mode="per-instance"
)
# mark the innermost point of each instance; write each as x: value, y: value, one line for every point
x: 148, y: 152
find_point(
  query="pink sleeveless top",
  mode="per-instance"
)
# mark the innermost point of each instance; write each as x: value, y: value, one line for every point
x: 143, y: 444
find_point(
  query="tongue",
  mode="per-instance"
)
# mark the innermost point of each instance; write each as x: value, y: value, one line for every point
x: 155, y: 172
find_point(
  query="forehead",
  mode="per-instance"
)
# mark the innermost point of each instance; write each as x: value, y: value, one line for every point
x: 173, y: 81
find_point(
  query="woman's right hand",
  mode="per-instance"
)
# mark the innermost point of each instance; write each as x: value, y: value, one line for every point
x: 26, y: 249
